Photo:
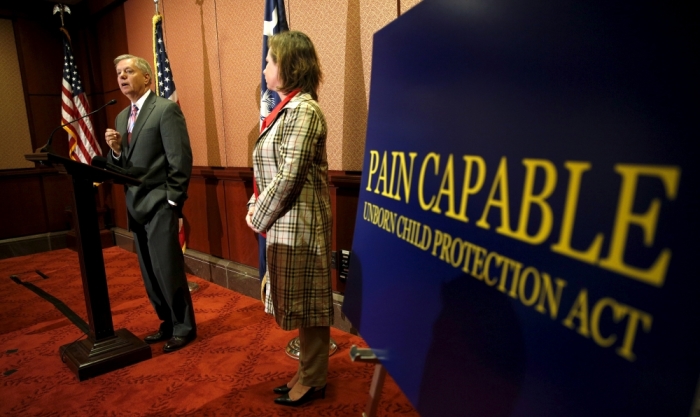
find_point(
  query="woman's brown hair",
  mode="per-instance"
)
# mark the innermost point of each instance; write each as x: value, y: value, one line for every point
x: 298, y: 64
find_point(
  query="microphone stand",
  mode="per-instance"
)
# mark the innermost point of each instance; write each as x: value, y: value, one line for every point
x: 48, y: 149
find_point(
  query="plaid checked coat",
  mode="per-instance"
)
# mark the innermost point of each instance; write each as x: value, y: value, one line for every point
x: 294, y: 208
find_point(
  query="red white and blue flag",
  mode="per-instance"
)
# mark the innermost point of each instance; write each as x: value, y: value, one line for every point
x: 274, y: 23
x: 82, y: 144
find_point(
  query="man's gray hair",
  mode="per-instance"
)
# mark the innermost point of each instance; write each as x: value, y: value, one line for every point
x: 140, y: 63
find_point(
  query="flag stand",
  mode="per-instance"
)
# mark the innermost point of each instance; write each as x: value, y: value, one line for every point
x: 293, y: 349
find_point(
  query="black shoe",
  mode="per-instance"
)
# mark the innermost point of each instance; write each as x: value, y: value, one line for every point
x: 176, y: 343
x: 156, y: 337
x: 282, y: 389
x: 308, y: 396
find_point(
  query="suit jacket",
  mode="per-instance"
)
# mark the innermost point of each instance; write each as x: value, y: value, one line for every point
x: 289, y: 161
x: 159, y: 155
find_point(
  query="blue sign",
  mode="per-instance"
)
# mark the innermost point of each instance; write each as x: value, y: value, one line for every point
x: 527, y: 227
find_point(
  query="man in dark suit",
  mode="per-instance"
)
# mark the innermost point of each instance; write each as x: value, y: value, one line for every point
x: 150, y: 140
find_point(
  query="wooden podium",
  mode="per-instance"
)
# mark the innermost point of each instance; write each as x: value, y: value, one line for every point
x: 104, y: 350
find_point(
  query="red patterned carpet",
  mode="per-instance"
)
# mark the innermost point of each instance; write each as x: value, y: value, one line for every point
x: 229, y: 370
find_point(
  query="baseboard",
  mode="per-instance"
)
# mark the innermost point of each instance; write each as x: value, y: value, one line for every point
x: 106, y: 239
x: 234, y: 276
x: 28, y: 245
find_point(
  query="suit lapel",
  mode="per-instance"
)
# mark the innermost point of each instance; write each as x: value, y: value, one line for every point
x: 144, y: 113
x: 122, y: 126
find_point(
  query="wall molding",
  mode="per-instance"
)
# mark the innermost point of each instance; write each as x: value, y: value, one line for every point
x: 231, y: 275
x: 28, y: 245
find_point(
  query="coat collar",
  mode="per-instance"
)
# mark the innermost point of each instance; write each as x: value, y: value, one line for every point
x: 294, y: 102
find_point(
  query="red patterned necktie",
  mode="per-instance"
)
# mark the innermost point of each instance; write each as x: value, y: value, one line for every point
x: 132, y: 120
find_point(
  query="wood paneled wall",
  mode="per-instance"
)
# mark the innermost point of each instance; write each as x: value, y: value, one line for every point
x: 39, y: 200
x: 215, y: 213
x: 35, y: 202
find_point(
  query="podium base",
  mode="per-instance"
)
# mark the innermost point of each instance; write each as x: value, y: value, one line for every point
x: 88, y: 358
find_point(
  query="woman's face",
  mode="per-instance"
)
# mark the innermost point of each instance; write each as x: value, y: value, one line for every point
x: 271, y: 73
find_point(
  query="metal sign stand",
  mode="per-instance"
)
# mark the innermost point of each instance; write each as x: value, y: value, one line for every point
x: 375, y: 389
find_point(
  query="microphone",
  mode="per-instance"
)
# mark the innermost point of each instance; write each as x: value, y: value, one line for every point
x: 101, y: 162
x: 47, y: 147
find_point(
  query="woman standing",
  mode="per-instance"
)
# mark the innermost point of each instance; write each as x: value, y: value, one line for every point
x: 292, y: 205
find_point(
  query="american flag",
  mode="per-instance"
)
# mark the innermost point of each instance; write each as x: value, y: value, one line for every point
x: 82, y: 144
x: 275, y: 22
x: 165, y: 86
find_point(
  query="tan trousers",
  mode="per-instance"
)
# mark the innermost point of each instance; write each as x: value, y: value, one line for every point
x: 314, y: 344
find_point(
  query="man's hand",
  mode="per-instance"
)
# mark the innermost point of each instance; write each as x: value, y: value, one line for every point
x: 114, y: 140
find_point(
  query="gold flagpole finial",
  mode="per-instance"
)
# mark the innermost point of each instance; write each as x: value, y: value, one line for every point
x: 60, y: 8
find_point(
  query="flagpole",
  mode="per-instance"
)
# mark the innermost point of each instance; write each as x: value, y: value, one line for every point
x: 75, y: 109
x: 275, y: 11
x: 161, y: 62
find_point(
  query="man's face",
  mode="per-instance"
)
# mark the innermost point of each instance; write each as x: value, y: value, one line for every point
x: 132, y: 81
